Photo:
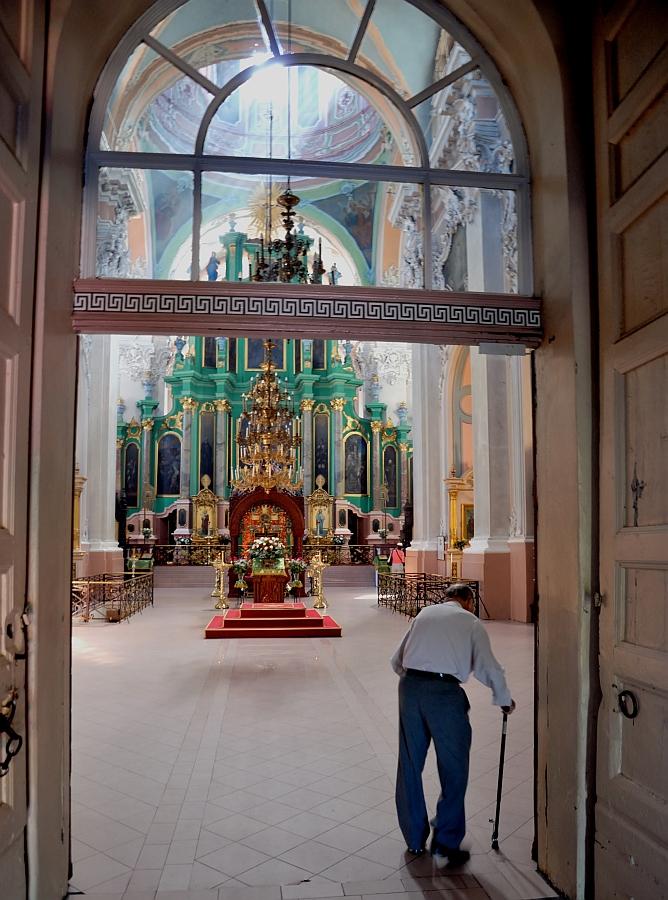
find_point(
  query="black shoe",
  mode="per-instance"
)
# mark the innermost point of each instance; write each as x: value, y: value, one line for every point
x: 417, y: 852
x: 454, y: 856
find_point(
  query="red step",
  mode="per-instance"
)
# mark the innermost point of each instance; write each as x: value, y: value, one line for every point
x: 271, y: 610
x: 265, y: 620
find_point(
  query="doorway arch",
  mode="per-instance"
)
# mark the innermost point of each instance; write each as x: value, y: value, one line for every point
x: 526, y: 54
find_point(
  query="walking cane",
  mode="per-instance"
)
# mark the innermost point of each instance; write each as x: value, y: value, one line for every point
x: 495, y: 833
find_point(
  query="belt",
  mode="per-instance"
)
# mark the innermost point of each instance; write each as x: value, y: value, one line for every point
x: 439, y: 676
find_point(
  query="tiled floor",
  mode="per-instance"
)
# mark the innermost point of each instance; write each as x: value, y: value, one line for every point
x: 263, y: 769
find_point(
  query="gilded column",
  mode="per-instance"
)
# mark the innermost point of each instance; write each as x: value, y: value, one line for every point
x: 337, y: 405
x: 306, y: 408
x: 188, y: 405
x: 376, y: 428
x: 222, y: 409
x: 147, y: 428
x: 119, y: 461
x: 403, y: 450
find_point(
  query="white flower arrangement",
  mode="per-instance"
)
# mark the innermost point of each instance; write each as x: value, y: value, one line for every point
x: 266, y: 548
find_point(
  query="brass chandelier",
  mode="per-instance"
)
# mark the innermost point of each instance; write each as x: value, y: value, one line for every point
x: 266, y: 435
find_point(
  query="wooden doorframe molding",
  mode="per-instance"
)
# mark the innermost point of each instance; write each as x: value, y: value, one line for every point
x: 134, y: 306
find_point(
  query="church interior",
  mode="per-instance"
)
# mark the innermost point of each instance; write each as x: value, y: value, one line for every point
x: 311, y: 310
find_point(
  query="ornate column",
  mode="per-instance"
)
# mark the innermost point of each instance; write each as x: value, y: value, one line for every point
x: 337, y: 405
x: 376, y: 428
x: 306, y: 408
x: 195, y: 486
x: 188, y: 405
x: 403, y: 456
x: 222, y: 409
x: 147, y: 428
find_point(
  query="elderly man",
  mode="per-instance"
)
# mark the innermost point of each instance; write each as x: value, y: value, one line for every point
x: 444, y: 644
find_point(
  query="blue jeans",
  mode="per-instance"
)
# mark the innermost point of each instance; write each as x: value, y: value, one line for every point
x: 432, y: 709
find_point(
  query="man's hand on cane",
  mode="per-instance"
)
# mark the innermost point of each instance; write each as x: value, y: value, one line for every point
x: 509, y: 709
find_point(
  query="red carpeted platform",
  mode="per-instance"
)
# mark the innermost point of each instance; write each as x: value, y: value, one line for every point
x: 272, y: 620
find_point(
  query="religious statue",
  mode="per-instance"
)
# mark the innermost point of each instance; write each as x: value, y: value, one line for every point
x: 212, y: 268
x: 333, y: 275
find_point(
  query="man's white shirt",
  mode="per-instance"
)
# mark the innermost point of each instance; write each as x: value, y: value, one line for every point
x: 447, y: 639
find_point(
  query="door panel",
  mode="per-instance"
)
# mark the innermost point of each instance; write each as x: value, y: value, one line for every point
x: 631, y: 73
x: 20, y: 122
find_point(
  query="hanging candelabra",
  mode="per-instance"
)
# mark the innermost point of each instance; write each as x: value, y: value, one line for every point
x: 287, y: 260
x: 267, y: 435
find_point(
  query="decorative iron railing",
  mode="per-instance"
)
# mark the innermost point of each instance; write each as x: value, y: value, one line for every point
x: 120, y: 592
x: 410, y: 593
x: 173, y: 555
x: 343, y: 554
x: 148, y: 555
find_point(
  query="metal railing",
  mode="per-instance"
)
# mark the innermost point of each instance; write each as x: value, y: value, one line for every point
x: 204, y: 554
x: 343, y: 554
x: 175, y: 554
x: 410, y: 593
x: 120, y: 592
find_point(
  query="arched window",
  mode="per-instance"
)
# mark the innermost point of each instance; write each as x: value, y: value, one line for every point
x: 387, y: 120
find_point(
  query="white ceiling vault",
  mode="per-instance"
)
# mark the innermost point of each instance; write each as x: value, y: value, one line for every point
x: 385, y: 115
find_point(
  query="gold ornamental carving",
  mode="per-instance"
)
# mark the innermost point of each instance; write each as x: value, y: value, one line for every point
x: 222, y: 405
x: 189, y: 403
x: 351, y: 423
x: 307, y: 404
x: 147, y: 424
x: 119, y: 443
x: 338, y: 403
x: 376, y: 427
x: 403, y: 446
x: 316, y: 566
x: 320, y: 514
x: 205, y: 513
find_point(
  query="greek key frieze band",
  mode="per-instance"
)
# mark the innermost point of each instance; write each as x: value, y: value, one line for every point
x: 457, y: 313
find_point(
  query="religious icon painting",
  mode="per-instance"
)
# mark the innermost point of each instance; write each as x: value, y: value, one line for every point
x: 132, y: 475
x: 169, y: 465
x: 356, y: 468
x: 207, y: 443
x: 390, y: 474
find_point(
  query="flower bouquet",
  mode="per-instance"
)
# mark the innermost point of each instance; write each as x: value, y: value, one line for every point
x: 266, y: 548
x: 338, y: 540
x: 297, y: 565
x: 240, y: 567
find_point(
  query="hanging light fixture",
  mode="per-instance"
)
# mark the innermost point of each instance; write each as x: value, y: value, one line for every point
x: 287, y: 260
x: 266, y: 435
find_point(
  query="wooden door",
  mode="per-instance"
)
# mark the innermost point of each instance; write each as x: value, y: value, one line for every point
x: 631, y: 79
x: 21, y: 72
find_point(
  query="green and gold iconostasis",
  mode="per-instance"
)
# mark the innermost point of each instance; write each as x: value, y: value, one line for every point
x: 166, y: 458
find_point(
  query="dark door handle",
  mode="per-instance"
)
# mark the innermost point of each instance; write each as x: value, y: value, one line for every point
x: 623, y: 697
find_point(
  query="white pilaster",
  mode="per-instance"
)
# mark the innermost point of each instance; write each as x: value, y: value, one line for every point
x: 428, y: 437
x: 488, y: 557
x: 96, y: 442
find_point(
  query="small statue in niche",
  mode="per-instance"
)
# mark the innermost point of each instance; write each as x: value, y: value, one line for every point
x: 204, y: 530
x: 320, y: 524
